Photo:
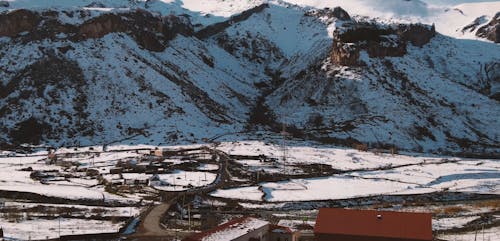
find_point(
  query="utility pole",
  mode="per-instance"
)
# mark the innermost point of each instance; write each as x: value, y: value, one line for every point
x: 189, y: 216
x: 59, y: 226
x: 283, y: 135
x: 483, y: 231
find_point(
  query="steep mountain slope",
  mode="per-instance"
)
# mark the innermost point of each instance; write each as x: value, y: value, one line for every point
x: 155, y: 72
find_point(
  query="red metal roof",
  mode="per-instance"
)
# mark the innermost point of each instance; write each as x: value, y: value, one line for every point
x: 372, y: 223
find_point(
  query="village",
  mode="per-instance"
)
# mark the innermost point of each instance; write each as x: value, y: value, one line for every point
x: 200, y: 192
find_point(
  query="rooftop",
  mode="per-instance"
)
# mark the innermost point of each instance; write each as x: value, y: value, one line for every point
x: 230, y: 230
x: 373, y: 223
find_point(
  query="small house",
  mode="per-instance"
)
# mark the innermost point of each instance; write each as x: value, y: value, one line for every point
x: 157, y: 152
x: 281, y: 233
x: 239, y: 229
x: 141, y: 167
x: 360, y: 225
x: 116, y: 170
x: 135, y: 179
x: 156, y: 181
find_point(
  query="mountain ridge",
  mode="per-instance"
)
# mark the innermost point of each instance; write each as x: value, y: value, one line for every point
x: 438, y: 96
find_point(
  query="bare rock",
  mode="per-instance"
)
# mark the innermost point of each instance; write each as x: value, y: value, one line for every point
x: 492, y: 78
x: 337, y: 13
x: 475, y: 24
x: 416, y: 34
x: 341, y: 14
x: 377, y: 40
x: 150, y: 32
x: 491, y: 31
x: 18, y: 21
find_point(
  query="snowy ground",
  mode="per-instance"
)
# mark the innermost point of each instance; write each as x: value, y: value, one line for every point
x: 414, y: 175
x: 44, y: 229
x: 363, y: 174
x: 12, y: 178
x: 40, y: 221
x: 490, y: 234
x: 183, y: 180
x: 70, y: 181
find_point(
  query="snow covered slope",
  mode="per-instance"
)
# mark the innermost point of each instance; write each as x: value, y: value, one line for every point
x: 151, y: 72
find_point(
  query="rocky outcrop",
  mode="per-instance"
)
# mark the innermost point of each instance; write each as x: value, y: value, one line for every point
x: 475, y: 24
x: 417, y: 34
x: 221, y: 26
x: 18, y: 21
x: 377, y: 40
x: 491, y: 31
x: 151, y: 32
x: 337, y: 13
x: 491, y: 73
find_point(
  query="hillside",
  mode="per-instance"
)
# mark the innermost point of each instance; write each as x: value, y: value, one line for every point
x: 408, y: 74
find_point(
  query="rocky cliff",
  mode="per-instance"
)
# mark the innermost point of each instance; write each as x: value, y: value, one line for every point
x: 149, y: 31
x: 377, y: 40
x: 491, y: 31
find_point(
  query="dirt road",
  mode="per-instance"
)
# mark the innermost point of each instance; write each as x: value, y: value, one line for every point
x: 150, y: 227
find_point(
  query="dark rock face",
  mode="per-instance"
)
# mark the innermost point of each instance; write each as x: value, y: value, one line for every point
x: 30, y: 131
x: 416, y: 34
x: 338, y: 13
x: 50, y: 86
x: 492, y: 78
x: 150, y: 32
x: 473, y: 26
x: 18, y: 21
x: 491, y: 31
x: 341, y: 14
x: 377, y: 40
x: 219, y: 27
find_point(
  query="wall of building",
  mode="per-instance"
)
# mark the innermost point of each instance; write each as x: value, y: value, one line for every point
x: 339, y: 237
x: 261, y: 234
x: 275, y: 236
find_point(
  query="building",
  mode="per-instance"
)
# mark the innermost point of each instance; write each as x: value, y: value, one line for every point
x: 158, y: 152
x: 155, y: 181
x: 280, y: 233
x: 135, y: 179
x: 361, y: 225
x: 240, y: 229
x: 303, y: 230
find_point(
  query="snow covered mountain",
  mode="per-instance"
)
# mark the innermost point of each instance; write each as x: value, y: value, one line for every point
x: 417, y: 75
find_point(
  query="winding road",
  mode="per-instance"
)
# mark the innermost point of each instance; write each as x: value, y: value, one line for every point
x: 150, y: 227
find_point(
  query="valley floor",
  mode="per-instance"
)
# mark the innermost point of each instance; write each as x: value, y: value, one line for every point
x: 112, y: 190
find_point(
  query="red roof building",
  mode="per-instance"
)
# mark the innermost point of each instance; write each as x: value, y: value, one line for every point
x: 360, y: 225
x: 281, y: 233
x: 239, y: 229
